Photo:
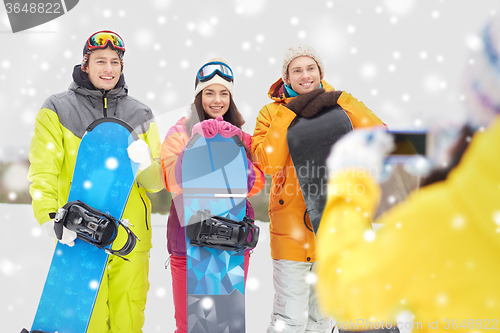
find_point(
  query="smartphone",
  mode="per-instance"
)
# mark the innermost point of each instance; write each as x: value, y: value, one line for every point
x: 408, y: 145
x: 404, y: 167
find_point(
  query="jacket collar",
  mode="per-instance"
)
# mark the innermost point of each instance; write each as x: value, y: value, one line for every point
x: 81, y: 80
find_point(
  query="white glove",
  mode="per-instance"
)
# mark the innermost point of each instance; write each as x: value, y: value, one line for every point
x: 362, y: 148
x: 68, y: 236
x: 139, y: 152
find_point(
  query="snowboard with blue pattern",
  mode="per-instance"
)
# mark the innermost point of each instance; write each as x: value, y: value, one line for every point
x: 214, y: 177
x: 102, y: 178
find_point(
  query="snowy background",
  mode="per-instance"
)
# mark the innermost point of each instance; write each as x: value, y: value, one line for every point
x: 402, y: 58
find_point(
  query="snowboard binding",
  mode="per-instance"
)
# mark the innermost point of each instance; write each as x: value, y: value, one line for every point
x: 93, y: 226
x: 222, y: 233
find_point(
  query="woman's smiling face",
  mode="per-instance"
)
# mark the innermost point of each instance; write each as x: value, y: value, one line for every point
x: 215, y: 100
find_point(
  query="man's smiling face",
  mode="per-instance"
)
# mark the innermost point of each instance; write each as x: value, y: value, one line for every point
x: 104, y: 68
x: 303, y: 75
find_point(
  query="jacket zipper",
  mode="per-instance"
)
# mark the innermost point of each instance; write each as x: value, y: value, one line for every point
x: 145, y: 211
x: 104, y: 103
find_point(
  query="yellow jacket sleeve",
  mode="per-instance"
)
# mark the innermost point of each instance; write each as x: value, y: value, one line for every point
x: 360, y: 115
x: 46, y: 157
x: 269, y: 144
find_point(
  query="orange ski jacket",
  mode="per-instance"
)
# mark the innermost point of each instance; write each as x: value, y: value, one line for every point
x: 291, y: 239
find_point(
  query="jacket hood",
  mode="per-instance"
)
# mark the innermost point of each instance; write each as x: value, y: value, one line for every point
x: 277, y: 91
x: 82, y: 79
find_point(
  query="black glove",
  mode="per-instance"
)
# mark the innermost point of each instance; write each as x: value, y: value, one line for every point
x: 324, y: 100
x: 299, y: 103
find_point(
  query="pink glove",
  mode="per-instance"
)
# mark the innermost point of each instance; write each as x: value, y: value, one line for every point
x: 227, y: 129
x: 210, y: 127
x: 207, y: 128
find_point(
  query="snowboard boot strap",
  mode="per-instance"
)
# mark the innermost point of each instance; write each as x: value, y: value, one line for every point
x: 93, y: 226
x: 222, y: 233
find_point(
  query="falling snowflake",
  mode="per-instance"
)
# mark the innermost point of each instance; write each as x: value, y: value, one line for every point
x: 252, y: 283
x: 435, y: 14
x: 368, y: 71
x: 162, y: 20
x: 391, y: 199
x: 458, y: 222
x: 36, y: 232
x: 161, y: 292
x: 107, y: 13
x: 441, y: 299
x: 369, y: 236
x: 111, y: 163
x: 207, y: 303
x: 473, y: 42
x: 94, y: 284
x: 496, y: 217
x: 399, y: 7
x: 7, y: 267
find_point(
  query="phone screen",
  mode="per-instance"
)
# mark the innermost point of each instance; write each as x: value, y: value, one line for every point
x: 410, y: 143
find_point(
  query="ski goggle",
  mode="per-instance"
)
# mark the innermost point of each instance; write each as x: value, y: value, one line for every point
x: 209, y: 70
x: 103, y: 39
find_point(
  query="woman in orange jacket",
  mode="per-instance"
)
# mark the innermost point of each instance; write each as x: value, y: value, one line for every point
x: 293, y: 244
x: 213, y: 99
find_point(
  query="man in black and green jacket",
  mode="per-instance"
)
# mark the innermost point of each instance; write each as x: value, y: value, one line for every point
x: 99, y: 90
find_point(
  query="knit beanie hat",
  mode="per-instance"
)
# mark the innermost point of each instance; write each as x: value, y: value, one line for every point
x: 299, y: 51
x: 199, y: 86
x: 481, y: 84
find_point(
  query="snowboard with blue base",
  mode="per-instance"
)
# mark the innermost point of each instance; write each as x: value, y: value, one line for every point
x: 309, y: 143
x: 214, y: 179
x: 102, y: 178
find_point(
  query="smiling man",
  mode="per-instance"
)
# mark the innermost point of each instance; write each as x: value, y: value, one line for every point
x: 301, y: 91
x: 98, y: 90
